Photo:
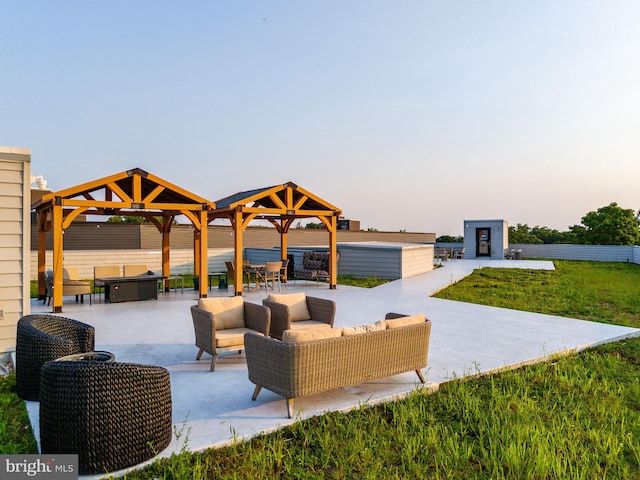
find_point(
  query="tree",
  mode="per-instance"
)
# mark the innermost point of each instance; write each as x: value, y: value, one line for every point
x: 521, y: 233
x: 126, y: 219
x: 551, y: 235
x: 449, y: 239
x: 610, y: 225
x: 314, y: 226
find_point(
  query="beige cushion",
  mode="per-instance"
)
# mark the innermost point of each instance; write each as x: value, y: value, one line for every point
x: 106, y: 271
x: 297, y: 303
x: 231, y: 337
x: 310, y: 334
x: 404, y: 321
x: 134, y: 270
x: 70, y: 273
x: 303, y: 324
x: 228, y: 311
x: 372, y: 327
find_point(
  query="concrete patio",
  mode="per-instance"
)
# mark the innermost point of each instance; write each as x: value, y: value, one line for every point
x: 212, y: 409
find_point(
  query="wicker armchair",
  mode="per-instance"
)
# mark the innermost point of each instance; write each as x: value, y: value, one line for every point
x: 41, y: 338
x: 296, y: 310
x: 220, y: 324
x: 113, y: 415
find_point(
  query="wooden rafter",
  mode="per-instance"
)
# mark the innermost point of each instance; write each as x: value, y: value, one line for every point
x: 133, y: 192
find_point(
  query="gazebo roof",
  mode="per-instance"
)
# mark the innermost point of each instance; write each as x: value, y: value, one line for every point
x: 287, y: 199
x: 124, y: 193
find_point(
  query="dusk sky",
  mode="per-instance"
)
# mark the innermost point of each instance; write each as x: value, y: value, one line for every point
x: 408, y: 115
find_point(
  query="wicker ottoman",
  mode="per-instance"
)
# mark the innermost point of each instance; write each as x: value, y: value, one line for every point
x: 113, y: 415
x: 41, y: 338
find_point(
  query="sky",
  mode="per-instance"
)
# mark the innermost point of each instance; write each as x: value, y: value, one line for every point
x: 408, y: 115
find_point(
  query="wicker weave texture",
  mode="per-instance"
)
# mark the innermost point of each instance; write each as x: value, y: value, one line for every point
x: 320, y: 309
x: 41, y: 338
x: 113, y: 415
x: 256, y: 317
x: 297, y: 369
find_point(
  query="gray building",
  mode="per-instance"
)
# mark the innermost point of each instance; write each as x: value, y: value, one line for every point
x: 486, y: 239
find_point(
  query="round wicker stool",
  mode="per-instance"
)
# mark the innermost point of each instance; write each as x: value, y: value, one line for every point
x: 94, y: 356
x: 113, y: 415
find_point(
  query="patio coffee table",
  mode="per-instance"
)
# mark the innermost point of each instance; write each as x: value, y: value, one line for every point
x: 129, y: 289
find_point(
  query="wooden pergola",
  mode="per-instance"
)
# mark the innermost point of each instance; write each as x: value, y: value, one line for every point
x: 130, y: 193
x: 280, y: 205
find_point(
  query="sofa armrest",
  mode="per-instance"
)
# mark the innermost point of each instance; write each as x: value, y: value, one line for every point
x: 280, y: 318
x: 257, y: 317
x: 322, y: 310
x: 271, y: 364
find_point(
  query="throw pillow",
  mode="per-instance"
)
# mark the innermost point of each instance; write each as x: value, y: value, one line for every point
x: 310, y: 334
x: 372, y: 327
x: 297, y: 303
x: 404, y: 321
x: 228, y: 311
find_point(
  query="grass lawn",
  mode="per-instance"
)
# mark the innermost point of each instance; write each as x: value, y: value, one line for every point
x: 574, y: 417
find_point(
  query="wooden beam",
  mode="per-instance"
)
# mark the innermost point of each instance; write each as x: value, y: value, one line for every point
x: 57, y: 258
x: 204, y: 254
x: 238, y: 230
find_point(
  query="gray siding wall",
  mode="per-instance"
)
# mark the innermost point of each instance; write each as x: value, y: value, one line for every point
x: 15, y: 177
x: 602, y: 253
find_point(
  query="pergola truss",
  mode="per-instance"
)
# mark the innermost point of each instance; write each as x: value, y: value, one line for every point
x: 280, y: 205
x: 131, y: 193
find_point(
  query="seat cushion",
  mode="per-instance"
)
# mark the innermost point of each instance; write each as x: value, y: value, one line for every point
x: 304, y: 324
x: 297, y: 303
x: 372, y: 327
x: 228, y: 312
x: 231, y: 337
x: 310, y: 334
x: 404, y: 321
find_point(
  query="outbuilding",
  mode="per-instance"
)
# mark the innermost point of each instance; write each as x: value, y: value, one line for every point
x: 486, y: 239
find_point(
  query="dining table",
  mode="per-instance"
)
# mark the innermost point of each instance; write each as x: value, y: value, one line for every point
x: 253, y: 271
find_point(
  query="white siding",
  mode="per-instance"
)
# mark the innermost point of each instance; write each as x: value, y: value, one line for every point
x: 15, y: 198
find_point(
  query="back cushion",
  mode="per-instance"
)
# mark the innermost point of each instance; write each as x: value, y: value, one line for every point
x: 297, y: 303
x: 228, y: 311
x: 134, y: 270
x: 404, y: 321
x: 70, y: 273
x: 310, y: 334
x: 372, y: 327
x: 106, y: 271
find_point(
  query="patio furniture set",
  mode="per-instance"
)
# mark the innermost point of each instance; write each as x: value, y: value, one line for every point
x: 293, y: 350
x: 117, y: 414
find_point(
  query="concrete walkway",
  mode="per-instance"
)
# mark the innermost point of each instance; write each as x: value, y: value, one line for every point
x: 214, y: 409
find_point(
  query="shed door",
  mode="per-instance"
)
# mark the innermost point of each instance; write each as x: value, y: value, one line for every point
x: 483, y: 242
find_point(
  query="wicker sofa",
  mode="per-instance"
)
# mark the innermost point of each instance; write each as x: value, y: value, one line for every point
x: 300, y: 367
